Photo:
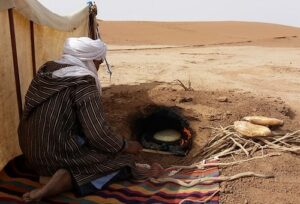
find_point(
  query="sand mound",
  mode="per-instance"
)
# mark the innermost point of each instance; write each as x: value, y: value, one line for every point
x: 198, y: 33
x: 202, y: 108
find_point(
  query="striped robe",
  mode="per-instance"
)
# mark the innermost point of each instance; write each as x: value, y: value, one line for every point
x: 59, y: 114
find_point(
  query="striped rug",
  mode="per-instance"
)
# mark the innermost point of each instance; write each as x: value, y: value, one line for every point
x: 13, y: 184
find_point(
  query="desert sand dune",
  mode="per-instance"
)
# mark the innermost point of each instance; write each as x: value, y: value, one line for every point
x: 198, y: 33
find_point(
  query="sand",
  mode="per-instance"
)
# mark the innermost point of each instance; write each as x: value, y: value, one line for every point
x: 256, y: 67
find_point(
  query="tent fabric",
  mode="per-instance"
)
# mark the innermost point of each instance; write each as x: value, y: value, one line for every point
x: 9, y: 119
x: 6, y: 4
x: 36, y: 12
x: 48, y: 44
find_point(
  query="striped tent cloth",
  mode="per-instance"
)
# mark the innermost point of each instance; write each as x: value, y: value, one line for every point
x: 13, y: 184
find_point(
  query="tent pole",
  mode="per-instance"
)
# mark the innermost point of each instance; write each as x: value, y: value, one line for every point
x: 15, y: 60
x: 93, y: 22
x: 32, y: 48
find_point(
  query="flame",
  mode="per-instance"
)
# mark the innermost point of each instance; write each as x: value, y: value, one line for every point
x: 182, y: 142
x: 188, y: 133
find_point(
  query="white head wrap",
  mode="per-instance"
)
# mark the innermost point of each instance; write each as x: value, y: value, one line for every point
x: 80, y: 53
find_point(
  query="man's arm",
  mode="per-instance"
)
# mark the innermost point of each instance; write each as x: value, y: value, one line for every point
x: 94, y: 124
x: 91, y: 117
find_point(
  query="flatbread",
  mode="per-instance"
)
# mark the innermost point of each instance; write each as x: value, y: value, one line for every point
x: 168, y: 135
x: 251, y: 130
x: 261, y: 120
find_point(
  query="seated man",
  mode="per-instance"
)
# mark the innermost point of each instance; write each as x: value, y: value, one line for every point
x: 63, y: 132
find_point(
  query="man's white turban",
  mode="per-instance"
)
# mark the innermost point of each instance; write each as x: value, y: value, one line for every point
x: 80, y: 53
x: 85, y: 48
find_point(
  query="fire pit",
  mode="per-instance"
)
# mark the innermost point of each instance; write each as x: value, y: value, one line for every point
x: 164, y: 129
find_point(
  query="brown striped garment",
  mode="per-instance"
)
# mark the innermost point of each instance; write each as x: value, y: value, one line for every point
x: 61, y: 113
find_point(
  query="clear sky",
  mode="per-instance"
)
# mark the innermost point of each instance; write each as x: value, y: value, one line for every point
x: 285, y: 12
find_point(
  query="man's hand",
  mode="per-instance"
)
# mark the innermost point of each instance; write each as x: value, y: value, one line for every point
x: 133, y: 147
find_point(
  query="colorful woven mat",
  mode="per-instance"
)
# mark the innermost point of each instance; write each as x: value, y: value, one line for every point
x: 13, y: 184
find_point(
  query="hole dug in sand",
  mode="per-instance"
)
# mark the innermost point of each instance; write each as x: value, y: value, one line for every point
x: 163, y: 129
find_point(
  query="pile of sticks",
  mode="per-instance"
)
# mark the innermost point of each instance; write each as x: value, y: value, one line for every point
x: 226, y: 141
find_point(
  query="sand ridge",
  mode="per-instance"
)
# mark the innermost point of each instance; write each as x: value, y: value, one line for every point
x: 198, y: 33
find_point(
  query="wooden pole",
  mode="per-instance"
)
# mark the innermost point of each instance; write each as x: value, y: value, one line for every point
x: 15, y: 60
x: 32, y: 48
x: 156, y: 152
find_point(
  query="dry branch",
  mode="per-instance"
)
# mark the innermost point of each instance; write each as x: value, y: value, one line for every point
x: 226, y: 141
x: 156, y: 152
x: 204, y: 201
x: 176, y: 169
x: 209, y: 180
x: 189, y: 88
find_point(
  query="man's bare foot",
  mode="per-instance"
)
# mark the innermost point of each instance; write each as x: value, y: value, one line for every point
x: 60, y: 182
x: 33, y: 196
